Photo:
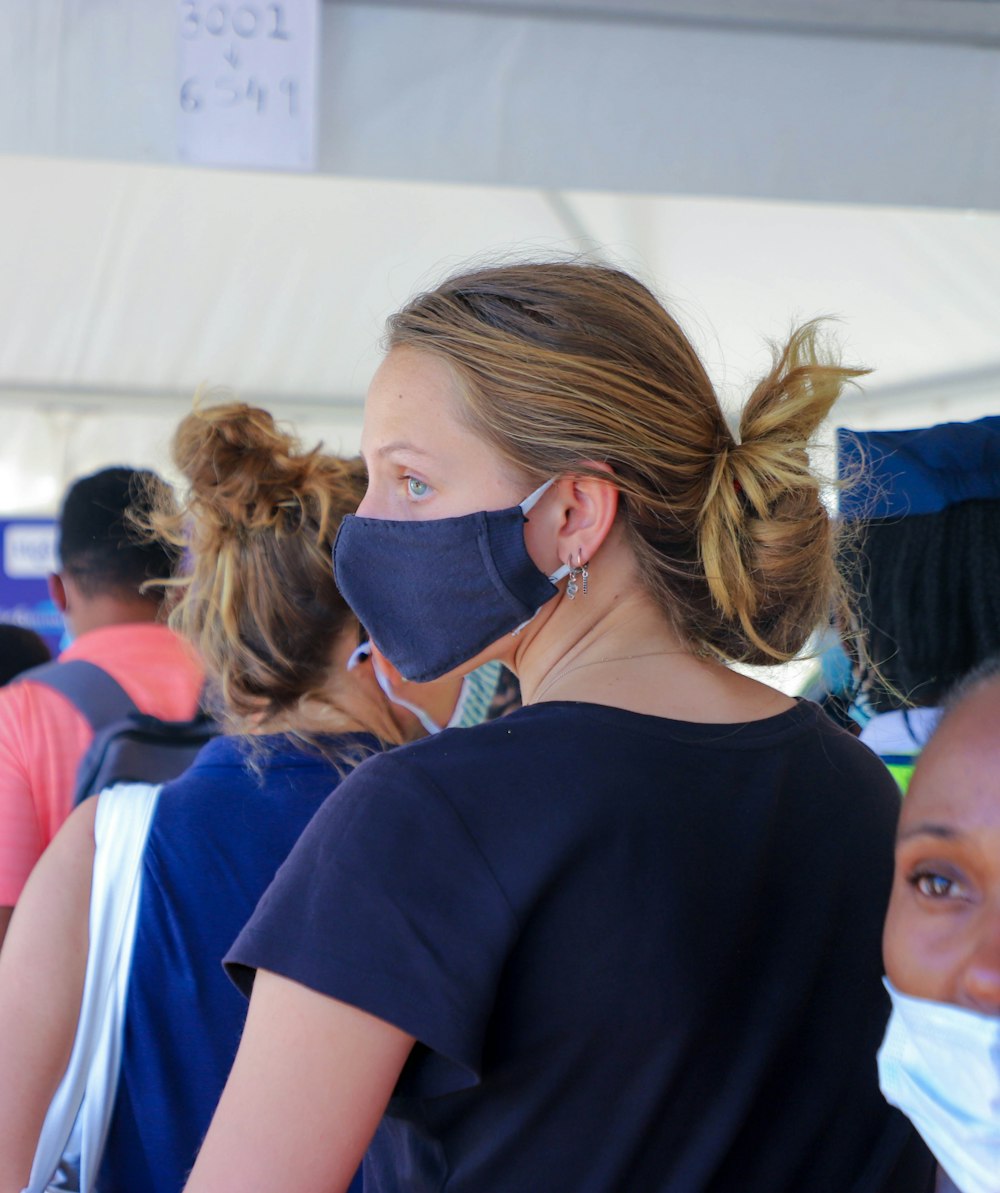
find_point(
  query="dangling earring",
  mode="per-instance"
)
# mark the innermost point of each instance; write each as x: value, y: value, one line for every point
x: 578, y: 577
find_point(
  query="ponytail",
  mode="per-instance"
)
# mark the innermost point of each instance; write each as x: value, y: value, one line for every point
x: 767, y: 543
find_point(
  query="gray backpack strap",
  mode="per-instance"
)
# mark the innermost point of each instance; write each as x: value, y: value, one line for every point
x: 89, y: 688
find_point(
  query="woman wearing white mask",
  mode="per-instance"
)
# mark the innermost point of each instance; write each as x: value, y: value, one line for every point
x: 940, y: 1063
x: 627, y: 938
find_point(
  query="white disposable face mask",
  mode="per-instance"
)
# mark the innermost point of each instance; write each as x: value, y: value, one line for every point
x: 940, y: 1065
x: 475, y: 696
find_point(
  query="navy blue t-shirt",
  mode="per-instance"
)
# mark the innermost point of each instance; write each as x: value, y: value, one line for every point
x: 638, y: 955
x: 219, y: 834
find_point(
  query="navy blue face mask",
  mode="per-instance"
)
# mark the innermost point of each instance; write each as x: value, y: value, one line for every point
x: 433, y: 594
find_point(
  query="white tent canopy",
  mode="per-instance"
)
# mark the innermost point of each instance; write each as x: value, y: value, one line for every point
x: 849, y: 147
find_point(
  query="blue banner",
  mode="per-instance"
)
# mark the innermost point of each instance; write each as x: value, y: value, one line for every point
x: 27, y: 556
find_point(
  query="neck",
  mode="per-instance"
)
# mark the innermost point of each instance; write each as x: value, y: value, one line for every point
x: 315, y: 717
x: 616, y: 647
x: 349, y: 702
x: 99, y: 612
x: 579, y: 653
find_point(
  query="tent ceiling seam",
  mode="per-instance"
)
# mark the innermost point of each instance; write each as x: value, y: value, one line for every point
x: 982, y: 32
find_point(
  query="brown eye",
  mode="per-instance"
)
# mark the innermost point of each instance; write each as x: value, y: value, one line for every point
x: 934, y: 886
x: 941, y: 886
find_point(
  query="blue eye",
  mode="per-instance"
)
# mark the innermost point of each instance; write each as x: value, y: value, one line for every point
x: 416, y: 488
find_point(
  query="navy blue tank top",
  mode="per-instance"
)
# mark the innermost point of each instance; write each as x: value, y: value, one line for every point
x: 219, y: 834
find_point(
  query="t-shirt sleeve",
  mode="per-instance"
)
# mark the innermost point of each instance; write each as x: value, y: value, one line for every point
x: 20, y: 835
x: 387, y: 903
x: 42, y: 739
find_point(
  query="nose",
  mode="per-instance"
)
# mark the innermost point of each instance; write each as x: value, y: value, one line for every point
x: 981, y: 974
x: 370, y: 506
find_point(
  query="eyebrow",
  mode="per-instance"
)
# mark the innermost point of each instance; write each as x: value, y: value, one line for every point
x: 401, y: 445
x: 927, y: 828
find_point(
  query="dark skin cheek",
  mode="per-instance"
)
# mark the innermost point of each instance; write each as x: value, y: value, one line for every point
x: 920, y: 956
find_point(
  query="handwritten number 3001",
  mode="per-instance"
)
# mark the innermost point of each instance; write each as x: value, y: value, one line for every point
x: 245, y: 20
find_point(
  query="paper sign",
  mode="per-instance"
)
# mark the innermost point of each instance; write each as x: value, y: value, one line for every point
x: 246, y: 83
x: 29, y: 550
x: 28, y: 556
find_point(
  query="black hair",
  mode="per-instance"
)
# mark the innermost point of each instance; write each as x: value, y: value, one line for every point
x: 20, y: 649
x: 99, y: 545
x: 929, y: 597
x: 985, y: 673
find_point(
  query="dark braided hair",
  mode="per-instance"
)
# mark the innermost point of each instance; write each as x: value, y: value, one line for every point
x: 929, y: 595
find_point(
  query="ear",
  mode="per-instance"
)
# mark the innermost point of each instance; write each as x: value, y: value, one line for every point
x: 389, y: 672
x: 589, y: 506
x: 57, y: 591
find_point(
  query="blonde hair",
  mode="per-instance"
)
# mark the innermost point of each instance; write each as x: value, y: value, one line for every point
x: 257, y: 597
x: 561, y: 363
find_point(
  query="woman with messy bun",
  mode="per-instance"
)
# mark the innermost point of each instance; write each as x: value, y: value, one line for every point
x: 260, y: 602
x: 628, y: 938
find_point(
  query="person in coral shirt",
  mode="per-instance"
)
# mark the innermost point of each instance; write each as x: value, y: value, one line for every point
x: 115, y: 623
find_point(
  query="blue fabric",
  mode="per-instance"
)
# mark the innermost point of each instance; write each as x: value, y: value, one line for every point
x: 918, y: 472
x: 637, y: 954
x: 219, y: 834
x: 398, y: 576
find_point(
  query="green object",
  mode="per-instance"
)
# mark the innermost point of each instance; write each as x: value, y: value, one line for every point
x: 901, y: 769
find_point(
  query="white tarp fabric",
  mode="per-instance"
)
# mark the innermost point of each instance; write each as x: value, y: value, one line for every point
x: 853, y: 142
x: 125, y: 288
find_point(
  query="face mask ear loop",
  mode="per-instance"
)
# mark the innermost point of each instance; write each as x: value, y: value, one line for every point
x: 557, y: 575
x: 561, y: 573
x: 358, y: 655
x: 528, y: 504
x: 430, y: 725
x: 364, y: 651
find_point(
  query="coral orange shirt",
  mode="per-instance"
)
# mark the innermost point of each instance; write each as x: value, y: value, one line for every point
x: 43, y: 736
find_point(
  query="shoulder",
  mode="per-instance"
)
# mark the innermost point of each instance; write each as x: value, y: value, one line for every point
x: 128, y: 643
x: 237, y: 787
x: 77, y: 832
x: 510, y: 740
x: 836, y: 769
x: 156, y: 667
x: 15, y: 698
x: 404, y: 811
x: 457, y: 765
x: 26, y: 704
x: 152, y: 641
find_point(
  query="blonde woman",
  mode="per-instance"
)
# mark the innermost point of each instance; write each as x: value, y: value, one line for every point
x: 626, y: 939
x: 261, y: 604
